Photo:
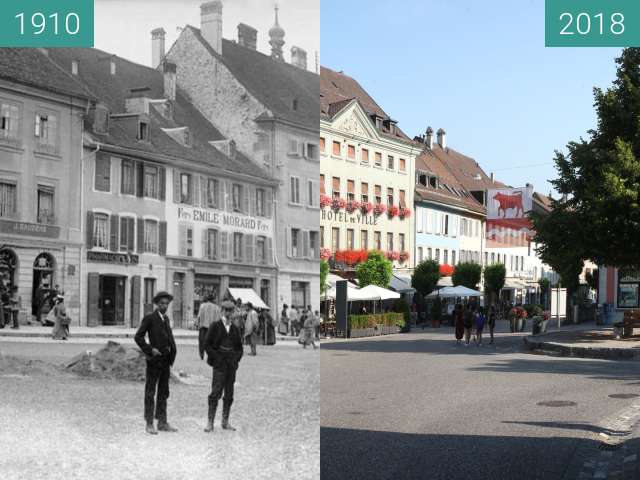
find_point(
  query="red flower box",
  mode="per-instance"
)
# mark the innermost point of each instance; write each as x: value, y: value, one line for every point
x: 446, y: 270
x: 325, y: 201
x: 325, y: 253
x: 352, y: 206
x: 366, y: 207
x: 404, y: 256
x: 405, y: 212
x: 379, y: 209
x: 392, y: 255
x: 338, y: 203
x: 393, y: 211
x: 351, y: 257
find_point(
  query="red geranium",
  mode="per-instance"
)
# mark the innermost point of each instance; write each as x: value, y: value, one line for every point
x: 325, y: 253
x: 325, y: 201
x: 352, y: 206
x: 338, y: 203
x: 392, y: 255
x: 404, y: 256
x: 446, y: 270
x: 393, y: 211
x: 405, y: 212
x: 379, y: 209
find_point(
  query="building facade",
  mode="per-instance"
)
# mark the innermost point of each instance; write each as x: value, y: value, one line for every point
x: 41, y: 122
x: 270, y: 108
x: 366, y: 176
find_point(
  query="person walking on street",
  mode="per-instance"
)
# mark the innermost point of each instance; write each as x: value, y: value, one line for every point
x: 251, y: 326
x: 316, y: 322
x: 271, y: 328
x: 223, y: 345
x: 15, y: 303
x: 458, y: 318
x: 468, y: 324
x: 161, y: 352
x: 239, y: 316
x: 293, y: 321
x: 309, y: 328
x: 480, y: 321
x: 60, y: 315
x: 208, y: 313
x: 283, y: 326
x: 492, y: 321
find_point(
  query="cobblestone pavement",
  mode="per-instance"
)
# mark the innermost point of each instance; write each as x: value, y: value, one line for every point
x: 58, y: 426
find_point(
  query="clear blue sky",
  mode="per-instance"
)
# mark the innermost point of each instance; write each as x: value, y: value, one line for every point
x: 478, y: 69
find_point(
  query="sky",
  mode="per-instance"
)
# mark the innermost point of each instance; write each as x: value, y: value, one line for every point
x: 124, y: 27
x: 479, y: 70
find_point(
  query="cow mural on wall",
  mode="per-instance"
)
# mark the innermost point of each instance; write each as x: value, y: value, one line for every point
x: 507, y: 222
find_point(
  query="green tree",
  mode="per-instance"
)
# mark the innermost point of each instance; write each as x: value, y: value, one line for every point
x: 494, y: 276
x: 324, y: 272
x: 377, y: 270
x: 600, y: 179
x: 467, y: 274
x: 425, y: 277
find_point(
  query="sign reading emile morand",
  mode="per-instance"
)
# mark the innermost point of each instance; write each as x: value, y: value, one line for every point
x: 344, y: 217
x: 233, y: 221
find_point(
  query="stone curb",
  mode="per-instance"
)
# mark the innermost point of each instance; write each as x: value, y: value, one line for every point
x: 561, y: 350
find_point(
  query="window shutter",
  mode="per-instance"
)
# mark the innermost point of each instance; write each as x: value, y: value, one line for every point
x: 269, y: 258
x: 196, y: 198
x: 205, y: 243
x: 176, y: 186
x: 139, y: 179
x: 162, y: 242
x: 204, y: 192
x: 249, y: 241
x: 246, y: 199
x: 135, y: 301
x: 228, y: 190
x: 103, y: 172
x: 93, y: 297
x: 140, y: 235
x: 162, y: 176
x: 289, y: 245
x: 252, y: 210
x: 305, y: 236
x: 130, y: 232
x: 182, y: 240
x: 114, y: 233
x: 268, y: 202
x: 219, y: 194
x: 224, y: 245
x: 89, y: 230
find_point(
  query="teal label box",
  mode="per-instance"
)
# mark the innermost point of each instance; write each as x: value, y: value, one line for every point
x: 592, y: 23
x: 46, y: 23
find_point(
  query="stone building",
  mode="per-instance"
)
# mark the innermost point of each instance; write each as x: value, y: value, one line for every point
x: 367, y: 177
x: 41, y: 121
x: 169, y: 203
x: 270, y: 109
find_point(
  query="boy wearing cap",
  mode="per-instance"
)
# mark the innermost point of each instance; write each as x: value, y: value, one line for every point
x: 223, y: 345
x: 161, y: 353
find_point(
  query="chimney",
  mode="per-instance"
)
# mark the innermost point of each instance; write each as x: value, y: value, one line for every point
x: 157, y: 46
x: 428, y: 137
x: 442, y: 138
x: 169, y: 80
x: 211, y: 24
x: 299, y: 57
x: 247, y: 36
x: 492, y: 180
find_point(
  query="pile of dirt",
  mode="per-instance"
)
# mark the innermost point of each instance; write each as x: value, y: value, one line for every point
x: 19, y: 366
x: 114, y: 361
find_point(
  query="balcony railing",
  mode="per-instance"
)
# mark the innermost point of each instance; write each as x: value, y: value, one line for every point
x: 46, y: 218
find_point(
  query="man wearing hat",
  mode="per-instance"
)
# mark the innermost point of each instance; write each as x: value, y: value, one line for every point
x: 223, y: 345
x: 208, y: 313
x: 161, y: 353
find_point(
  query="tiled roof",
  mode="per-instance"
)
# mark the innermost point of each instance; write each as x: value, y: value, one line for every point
x: 336, y: 92
x: 450, y: 191
x: 112, y: 90
x: 468, y: 172
x: 545, y: 201
x: 30, y: 66
x: 275, y: 84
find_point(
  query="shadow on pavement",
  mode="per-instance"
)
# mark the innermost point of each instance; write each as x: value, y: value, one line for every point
x: 365, y: 454
x: 586, y: 427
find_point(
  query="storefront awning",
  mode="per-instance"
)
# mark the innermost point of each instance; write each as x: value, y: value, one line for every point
x: 247, y: 295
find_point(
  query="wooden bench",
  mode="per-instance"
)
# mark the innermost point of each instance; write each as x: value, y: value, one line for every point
x: 625, y: 328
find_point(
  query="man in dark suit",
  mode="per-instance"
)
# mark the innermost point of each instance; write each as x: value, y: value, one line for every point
x: 161, y: 353
x: 223, y: 345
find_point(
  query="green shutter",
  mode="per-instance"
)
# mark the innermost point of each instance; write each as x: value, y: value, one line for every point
x: 89, y: 230
x: 114, y: 233
x: 93, y: 299
x: 162, y: 247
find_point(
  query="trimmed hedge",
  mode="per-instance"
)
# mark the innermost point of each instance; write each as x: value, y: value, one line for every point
x: 371, y: 320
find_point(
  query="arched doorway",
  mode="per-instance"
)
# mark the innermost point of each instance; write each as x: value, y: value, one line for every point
x: 44, y: 268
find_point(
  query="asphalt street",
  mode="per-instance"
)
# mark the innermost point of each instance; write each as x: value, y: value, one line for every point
x: 418, y: 406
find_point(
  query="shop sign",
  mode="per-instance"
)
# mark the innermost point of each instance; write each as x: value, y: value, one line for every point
x: 344, y: 217
x: 227, y: 221
x: 30, y: 229
x: 111, y: 257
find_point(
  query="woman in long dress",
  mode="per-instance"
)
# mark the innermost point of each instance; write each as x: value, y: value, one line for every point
x: 283, y: 328
x: 308, y: 331
x: 60, y: 313
x: 458, y: 316
x: 271, y: 328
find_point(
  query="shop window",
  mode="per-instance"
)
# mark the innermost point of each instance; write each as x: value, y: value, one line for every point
x: 628, y: 288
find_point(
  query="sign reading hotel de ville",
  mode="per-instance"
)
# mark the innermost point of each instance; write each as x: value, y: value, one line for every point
x: 228, y: 221
x: 349, y: 218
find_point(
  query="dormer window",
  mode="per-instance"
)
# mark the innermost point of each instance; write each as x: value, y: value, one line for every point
x: 143, y: 131
x: 433, y: 182
x: 422, y: 180
x: 187, y: 138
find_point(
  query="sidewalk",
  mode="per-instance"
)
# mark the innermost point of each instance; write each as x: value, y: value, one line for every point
x: 113, y: 332
x: 589, y: 342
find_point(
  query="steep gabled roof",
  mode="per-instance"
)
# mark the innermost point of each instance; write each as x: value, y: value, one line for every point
x: 112, y: 90
x: 30, y: 66
x: 337, y: 90
x: 450, y: 191
x: 468, y: 172
x: 275, y: 84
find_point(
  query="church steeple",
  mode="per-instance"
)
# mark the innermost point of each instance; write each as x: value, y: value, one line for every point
x: 276, y: 35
